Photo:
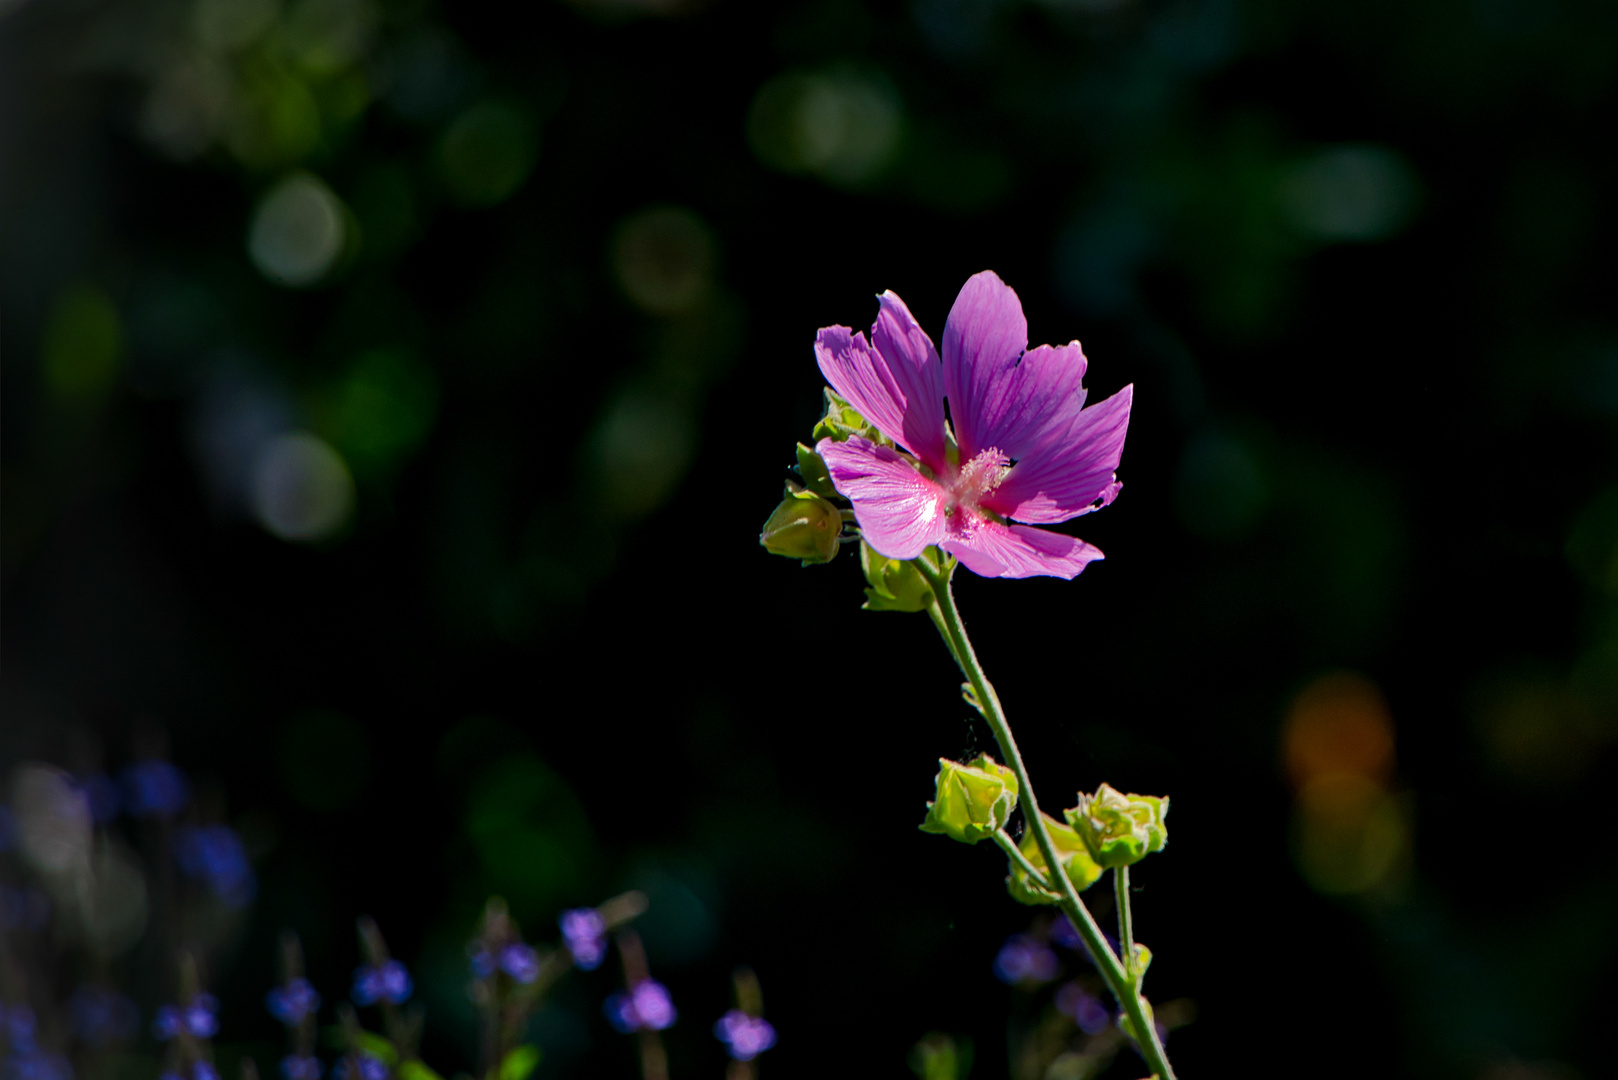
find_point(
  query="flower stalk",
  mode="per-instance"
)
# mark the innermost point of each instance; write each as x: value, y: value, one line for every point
x: 1122, y: 981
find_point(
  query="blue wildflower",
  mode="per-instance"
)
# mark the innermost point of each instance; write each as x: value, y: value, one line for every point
x: 646, y: 1007
x: 746, y: 1037
x: 1087, y: 1010
x: 197, y: 1018
x: 215, y: 855
x: 292, y: 1002
x: 371, y: 1068
x: 388, y: 982
x: 155, y: 789
x: 482, y: 963
x: 584, y: 932
x: 1024, y: 960
x: 520, y: 961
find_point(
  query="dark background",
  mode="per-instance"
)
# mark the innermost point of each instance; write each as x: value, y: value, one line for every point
x: 1356, y: 259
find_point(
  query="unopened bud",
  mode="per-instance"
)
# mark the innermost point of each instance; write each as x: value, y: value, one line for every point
x: 804, y: 526
x: 895, y: 585
x: 973, y: 801
x: 1081, y: 869
x: 1120, y: 829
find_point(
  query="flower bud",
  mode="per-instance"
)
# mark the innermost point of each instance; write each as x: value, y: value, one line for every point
x: 895, y: 585
x: 1120, y: 829
x: 804, y: 526
x: 973, y: 801
x: 842, y: 420
x: 1081, y: 868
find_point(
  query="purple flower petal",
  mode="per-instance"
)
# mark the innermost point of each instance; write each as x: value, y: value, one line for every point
x: 894, y: 381
x: 990, y: 549
x: 900, y: 512
x: 1069, y: 473
x: 984, y: 337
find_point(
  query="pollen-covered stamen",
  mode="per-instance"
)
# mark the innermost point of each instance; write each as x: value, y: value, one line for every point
x: 978, y: 478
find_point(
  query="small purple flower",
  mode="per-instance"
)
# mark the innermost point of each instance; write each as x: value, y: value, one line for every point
x: 204, y: 1070
x: 520, y: 962
x: 1025, y: 960
x: 1086, y: 1010
x: 1025, y: 448
x: 214, y: 854
x: 102, y: 1017
x: 292, y: 1002
x: 388, y: 982
x: 745, y: 1036
x: 197, y: 1018
x: 647, y: 1007
x: 1063, y: 933
x: 482, y: 963
x: 371, y: 1068
x: 155, y: 789
x: 300, y: 1067
x: 584, y: 932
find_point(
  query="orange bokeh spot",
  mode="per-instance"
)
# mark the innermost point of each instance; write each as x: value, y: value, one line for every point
x: 1338, y: 724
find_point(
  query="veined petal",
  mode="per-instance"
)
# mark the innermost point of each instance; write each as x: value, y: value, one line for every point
x: 984, y: 337
x: 1069, y: 472
x: 895, y: 380
x: 900, y: 512
x: 990, y: 549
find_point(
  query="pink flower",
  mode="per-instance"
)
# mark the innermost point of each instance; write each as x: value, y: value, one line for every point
x: 1024, y: 447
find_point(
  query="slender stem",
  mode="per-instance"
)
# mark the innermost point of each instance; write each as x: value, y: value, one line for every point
x: 948, y: 619
x: 1009, y: 846
x: 1126, y: 917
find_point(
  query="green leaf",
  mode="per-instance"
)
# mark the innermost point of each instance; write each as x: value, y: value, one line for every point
x: 417, y: 1070
x: 378, y: 1047
x: 518, y: 1062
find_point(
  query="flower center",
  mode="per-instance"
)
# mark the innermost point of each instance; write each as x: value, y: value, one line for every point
x: 977, y: 478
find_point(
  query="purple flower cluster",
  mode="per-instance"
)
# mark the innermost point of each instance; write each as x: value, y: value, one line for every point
x: 1025, y: 960
x: 291, y: 1003
x: 584, y: 932
x: 198, y: 1018
x: 214, y: 855
x: 746, y: 1037
x: 519, y: 961
x: 646, y: 1007
x: 388, y: 982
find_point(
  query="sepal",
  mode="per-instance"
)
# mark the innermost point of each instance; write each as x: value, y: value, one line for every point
x: 1120, y: 829
x: 816, y: 477
x: 896, y: 585
x: 972, y: 801
x: 1070, y: 848
x: 842, y: 420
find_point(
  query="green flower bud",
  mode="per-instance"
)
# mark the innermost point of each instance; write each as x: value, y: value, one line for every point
x: 804, y: 526
x: 842, y: 420
x: 1081, y: 869
x: 1120, y: 829
x: 972, y: 801
x: 813, y: 471
x: 895, y: 585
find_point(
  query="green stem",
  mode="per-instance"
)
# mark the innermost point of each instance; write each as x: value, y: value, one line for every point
x: 1009, y: 846
x: 1126, y: 917
x: 948, y: 619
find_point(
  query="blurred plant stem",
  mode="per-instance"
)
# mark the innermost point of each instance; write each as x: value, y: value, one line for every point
x: 1122, y: 982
